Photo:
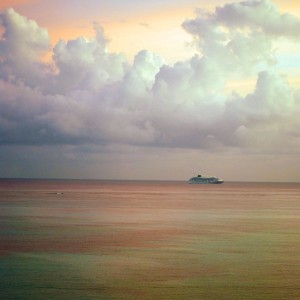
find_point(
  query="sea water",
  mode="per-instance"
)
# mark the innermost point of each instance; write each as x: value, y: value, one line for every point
x: 80, y: 239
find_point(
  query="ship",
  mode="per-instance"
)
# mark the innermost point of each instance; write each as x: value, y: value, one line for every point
x: 205, y: 180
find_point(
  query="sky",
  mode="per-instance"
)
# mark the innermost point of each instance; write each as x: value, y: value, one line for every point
x: 150, y: 90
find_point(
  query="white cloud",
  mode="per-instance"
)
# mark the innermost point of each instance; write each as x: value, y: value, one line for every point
x: 93, y: 96
x: 86, y: 64
x: 261, y: 15
x: 22, y: 48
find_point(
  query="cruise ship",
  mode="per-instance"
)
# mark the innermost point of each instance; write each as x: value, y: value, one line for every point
x: 205, y: 180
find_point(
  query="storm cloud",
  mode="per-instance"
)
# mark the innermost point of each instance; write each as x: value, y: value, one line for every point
x: 86, y: 95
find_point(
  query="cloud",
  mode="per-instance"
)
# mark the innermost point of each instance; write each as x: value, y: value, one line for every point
x: 237, y: 36
x: 261, y: 15
x: 146, y: 25
x: 90, y: 96
x: 263, y: 118
x: 22, y: 48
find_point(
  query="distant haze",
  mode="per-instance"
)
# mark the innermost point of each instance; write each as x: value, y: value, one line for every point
x: 228, y: 105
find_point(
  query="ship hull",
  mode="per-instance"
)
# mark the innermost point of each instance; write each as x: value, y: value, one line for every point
x: 205, y: 180
x: 217, y: 182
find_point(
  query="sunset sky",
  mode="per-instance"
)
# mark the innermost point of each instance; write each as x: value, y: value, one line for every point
x: 150, y: 90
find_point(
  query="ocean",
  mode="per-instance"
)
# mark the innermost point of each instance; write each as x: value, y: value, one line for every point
x: 97, y: 239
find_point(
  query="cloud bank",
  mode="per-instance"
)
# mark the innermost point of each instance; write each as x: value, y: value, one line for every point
x: 86, y: 95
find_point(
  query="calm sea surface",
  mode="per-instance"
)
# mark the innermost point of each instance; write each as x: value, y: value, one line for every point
x: 76, y: 239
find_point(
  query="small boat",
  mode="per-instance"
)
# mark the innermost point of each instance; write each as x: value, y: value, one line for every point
x: 205, y: 180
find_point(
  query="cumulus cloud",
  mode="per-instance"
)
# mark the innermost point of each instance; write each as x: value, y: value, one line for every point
x: 88, y: 95
x: 86, y: 64
x: 262, y: 15
x: 22, y: 48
